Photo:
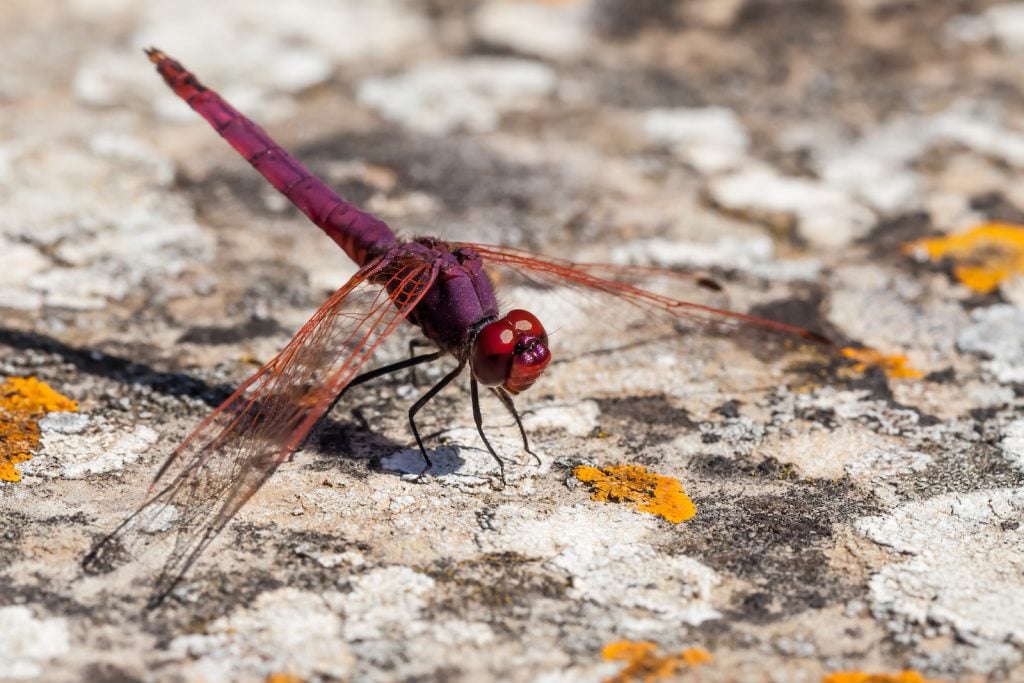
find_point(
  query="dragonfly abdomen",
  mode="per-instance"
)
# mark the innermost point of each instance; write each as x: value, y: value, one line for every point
x: 361, y: 235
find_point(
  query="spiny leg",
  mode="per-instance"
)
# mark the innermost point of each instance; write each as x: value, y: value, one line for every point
x: 479, y: 420
x: 510, y: 405
x: 422, y: 401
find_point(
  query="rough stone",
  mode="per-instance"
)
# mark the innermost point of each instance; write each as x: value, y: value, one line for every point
x: 722, y: 154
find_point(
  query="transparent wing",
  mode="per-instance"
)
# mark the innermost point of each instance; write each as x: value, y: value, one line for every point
x: 695, y: 282
x: 592, y: 280
x: 638, y: 350
x: 232, y: 453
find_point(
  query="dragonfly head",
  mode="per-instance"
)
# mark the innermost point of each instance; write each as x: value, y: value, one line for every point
x: 511, y: 352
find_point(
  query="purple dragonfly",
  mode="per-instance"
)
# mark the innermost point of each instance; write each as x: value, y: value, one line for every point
x: 440, y: 287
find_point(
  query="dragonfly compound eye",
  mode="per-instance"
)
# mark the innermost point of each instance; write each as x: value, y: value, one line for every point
x: 511, y: 352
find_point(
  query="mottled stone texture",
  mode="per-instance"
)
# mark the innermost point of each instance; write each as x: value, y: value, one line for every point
x: 845, y: 520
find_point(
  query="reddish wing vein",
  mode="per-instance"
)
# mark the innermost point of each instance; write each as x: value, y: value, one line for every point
x: 233, y: 452
x: 585, y: 277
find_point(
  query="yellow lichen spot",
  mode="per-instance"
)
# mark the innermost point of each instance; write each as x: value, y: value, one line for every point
x: 907, y: 676
x: 895, y: 367
x: 647, y: 491
x: 982, y: 257
x: 644, y: 664
x: 23, y: 401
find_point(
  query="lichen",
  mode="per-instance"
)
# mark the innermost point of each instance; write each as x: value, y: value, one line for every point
x: 895, y: 366
x: 23, y: 401
x: 982, y: 257
x: 647, y: 491
x: 644, y: 664
x: 907, y: 676
x: 281, y: 677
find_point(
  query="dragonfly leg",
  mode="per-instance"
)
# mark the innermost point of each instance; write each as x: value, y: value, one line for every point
x: 479, y: 420
x: 413, y: 343
x: 422, y: 401
x: 386, y: 370
x: 510, y: 405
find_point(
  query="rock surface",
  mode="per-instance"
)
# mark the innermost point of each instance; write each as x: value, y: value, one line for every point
x: 846, y: 520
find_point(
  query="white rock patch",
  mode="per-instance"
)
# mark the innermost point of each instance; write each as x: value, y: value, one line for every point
x: 274, y: 48
x: 1012, y: 443
x: 386, y: 603
x: 77, y: 454
x: 964, y: 566
x: 28, y: 643
x: 602, y: 549
x: 549, y: 30
x: 826, y: 215
x: 997, y: 333
x: 286, y: 630
x: 711, y: 139
x: 442, y: 97
x: 106, y: 211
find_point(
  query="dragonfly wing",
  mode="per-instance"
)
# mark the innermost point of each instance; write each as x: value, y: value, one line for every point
x: 233, y: 451
x: 695, y: 281
x: 619, y: 281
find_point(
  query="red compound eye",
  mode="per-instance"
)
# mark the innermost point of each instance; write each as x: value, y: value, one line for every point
x: 524, y: 322
x: 511, y: 352
x: 493, y: 351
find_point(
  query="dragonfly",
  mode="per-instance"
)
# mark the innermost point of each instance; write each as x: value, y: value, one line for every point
x: 440, y: 287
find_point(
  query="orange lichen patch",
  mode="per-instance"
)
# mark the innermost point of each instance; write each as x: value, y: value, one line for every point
x: 29, y: 396
x: 284, y: 678
x: 23, y: 401
x: 16, y: 443
x: 908, y: 676
x: 896, y: 367
x: 644, y: 664
x: 982, y: 257
x: 647, y: 491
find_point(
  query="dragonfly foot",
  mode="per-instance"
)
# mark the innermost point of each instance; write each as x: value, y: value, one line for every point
x: 501, y: 471
x: 420, y: 478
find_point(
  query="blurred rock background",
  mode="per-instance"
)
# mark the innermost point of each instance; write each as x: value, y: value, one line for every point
x: 846, y: 520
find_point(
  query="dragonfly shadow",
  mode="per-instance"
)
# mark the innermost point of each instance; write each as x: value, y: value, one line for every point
x: 357, y: 440
x: 179, y: 384
x: 336, y: 439
x: 116, y: 368
x: 444, y: 461
x: 353, y: 440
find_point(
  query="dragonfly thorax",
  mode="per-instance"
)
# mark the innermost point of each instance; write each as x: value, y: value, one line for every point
x: 511, y: 352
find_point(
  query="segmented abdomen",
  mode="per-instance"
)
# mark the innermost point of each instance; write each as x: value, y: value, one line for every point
x: 357, y: 232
